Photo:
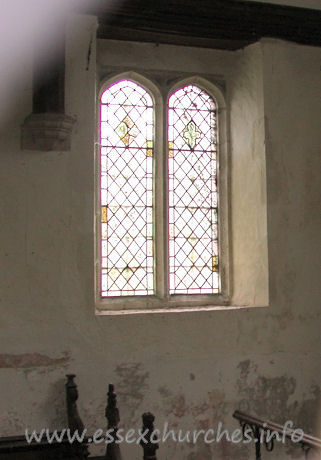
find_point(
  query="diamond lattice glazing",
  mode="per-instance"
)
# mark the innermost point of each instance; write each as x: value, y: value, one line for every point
x: 193, y: 231
x: 126, y: 138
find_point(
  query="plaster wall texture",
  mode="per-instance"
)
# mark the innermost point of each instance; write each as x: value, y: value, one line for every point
x: 249, y: 255
x: 192, y: 370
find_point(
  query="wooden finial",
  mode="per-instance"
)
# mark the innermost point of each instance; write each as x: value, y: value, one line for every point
x: 78, y: 450
x: 112, y: 415
x: 74, y: 420
x: 149, y: 447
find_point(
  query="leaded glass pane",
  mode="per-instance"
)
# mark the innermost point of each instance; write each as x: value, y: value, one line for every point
x: 193, y: 232
x: 126, y: 194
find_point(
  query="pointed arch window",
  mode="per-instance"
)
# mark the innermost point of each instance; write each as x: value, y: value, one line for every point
x: 126, y: 190
x: 193, y: 201
x: 160, y: 242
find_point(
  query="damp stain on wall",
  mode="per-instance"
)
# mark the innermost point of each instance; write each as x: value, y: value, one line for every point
x: 132, y: 383
x: 31, y: 360
x: 274, y: 399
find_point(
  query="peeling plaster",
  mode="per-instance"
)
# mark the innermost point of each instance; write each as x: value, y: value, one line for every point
x: 29, y: 360
x: 59, y: 198
x: 132, y: 383
x: 263, y: 396
x: 11, y: 423
x: 272, y: 397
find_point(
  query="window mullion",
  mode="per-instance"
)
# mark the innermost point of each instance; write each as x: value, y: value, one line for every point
x: 165, y: 201
x: 160, y: 214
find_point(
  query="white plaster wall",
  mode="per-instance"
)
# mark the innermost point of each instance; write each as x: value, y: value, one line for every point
x: 192, y: 369
x: 249, y: 253
x: 239, y: 77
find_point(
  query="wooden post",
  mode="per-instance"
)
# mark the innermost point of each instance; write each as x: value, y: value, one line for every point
x: 112, y: 415
x: 148, y: 446
x: 75, y: 424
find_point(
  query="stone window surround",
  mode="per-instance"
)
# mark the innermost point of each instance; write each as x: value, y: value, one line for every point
x: 162, y: 301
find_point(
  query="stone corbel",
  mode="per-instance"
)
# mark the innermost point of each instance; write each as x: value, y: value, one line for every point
x: 47, y: 131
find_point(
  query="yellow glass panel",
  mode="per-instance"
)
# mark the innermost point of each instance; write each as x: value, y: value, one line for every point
x: 149, y: 148
x: 215, y: 264
x: 104, y: 214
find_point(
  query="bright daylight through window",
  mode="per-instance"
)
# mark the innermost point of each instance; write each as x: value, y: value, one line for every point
x: 128, y: 253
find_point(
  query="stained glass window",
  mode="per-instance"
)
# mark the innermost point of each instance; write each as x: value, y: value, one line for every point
x: 193, y: 200
x: 126, y: 192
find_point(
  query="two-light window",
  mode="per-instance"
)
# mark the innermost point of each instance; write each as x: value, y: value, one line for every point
x: 159, y: 239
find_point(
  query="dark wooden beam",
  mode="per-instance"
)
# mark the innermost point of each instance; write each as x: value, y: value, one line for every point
x: 223, y: 24
x: 132, y: 34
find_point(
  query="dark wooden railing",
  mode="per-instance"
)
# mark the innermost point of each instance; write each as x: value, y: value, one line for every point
x: 260, y: 431
x: 17, y: 448
x: 264, y: 432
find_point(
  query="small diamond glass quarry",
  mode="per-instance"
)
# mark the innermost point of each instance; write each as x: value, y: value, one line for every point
x: 126, y: 192
x: 193, y: 200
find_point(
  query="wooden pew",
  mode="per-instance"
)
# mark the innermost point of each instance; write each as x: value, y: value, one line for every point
x: 18, y: 448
